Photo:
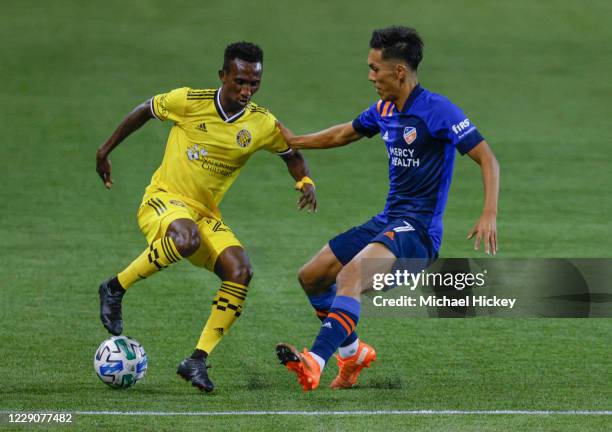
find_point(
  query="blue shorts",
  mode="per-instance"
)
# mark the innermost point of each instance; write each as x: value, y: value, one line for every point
x: 402, y: 238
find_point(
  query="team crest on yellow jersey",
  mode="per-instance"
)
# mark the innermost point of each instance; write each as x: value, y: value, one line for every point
x: 243, y: 138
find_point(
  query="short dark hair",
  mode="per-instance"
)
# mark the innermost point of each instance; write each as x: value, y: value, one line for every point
x: 244, y: 51
x: 399, y: 42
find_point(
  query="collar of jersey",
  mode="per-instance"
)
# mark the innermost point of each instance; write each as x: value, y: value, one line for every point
x: 221, y: 112
x: 413, y: 95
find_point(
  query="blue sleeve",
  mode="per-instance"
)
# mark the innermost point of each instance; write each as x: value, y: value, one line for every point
x: 450, y: 124
x: 366, y: 123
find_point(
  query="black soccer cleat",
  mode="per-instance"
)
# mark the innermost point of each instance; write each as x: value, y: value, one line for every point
x: 286, y: 354
x: 110, y: 307
x: 195, y: 370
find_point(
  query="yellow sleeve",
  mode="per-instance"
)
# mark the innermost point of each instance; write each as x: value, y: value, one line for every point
x: 171, y: 105
x: 275, y: 142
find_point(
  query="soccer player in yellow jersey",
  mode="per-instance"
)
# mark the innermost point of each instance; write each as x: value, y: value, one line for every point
x: 213, y: 135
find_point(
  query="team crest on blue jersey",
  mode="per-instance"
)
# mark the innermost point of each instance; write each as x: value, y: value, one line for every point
x: 410, y: 134
x: 243, y: 138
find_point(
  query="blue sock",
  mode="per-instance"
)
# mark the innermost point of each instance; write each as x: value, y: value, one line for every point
x: 339, y: 324
x: 350, y: 339
x: 322, y: 303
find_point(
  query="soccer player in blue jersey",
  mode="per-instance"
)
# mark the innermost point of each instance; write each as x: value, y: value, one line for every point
x: 421, y: 130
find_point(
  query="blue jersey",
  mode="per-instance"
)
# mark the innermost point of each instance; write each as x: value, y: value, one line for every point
x: 421, y: 140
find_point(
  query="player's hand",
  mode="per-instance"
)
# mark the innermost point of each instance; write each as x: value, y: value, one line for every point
x: 485, y: 230
x: 287, y: 134
x: 103, y: 168
x: 308, y: 199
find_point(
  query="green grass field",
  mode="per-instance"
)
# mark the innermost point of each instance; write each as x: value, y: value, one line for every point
x: 534, y: 77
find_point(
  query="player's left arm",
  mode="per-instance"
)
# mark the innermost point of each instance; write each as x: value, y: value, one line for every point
x: 298, y: 168
x: 485, y: 229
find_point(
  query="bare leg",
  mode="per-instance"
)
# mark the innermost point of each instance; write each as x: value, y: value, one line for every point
x: 356, y: 277
x: 318, y: 274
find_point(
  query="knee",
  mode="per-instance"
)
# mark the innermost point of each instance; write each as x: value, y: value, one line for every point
x: 310, y: 282
x: 305, y: 279
x: 187, y: 241
x: 242, y: 274
x: 342, y: 278
x: 348, y: 281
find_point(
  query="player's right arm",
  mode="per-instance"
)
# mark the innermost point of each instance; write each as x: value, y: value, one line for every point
x: 335, y: 136
x: 134, y: 120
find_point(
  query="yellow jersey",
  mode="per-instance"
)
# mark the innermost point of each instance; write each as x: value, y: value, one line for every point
x: 206, y: 148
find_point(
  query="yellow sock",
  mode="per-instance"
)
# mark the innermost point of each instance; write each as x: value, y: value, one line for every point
x: 159, y: 255
x: 226, y: 308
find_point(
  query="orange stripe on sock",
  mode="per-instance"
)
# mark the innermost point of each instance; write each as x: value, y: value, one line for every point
x: 321, y: 313
x: 348, y: 319
x: 341, y: 321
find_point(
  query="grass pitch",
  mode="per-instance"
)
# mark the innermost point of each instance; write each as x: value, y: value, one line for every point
x: 532, y: 76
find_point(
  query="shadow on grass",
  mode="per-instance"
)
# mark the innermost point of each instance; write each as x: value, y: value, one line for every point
x: 383, y: 383
x: 257, y: 382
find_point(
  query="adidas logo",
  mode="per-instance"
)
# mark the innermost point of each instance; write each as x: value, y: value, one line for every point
x: 407, y: 227
x: 219, y: 330
x: 386, y: 136
x: 201, y: 127
x: 327, y: 325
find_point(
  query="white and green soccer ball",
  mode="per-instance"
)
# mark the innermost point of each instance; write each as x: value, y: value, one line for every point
x: 120, y: 362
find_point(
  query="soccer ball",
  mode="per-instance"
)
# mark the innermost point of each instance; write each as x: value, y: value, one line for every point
x: 120, y: 362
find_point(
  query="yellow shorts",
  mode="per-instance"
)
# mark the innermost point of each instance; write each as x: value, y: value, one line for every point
x: 159, y: 209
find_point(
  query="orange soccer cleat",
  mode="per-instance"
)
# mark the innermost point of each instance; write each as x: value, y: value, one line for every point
x: 302, y: 364
x: 349, y: 368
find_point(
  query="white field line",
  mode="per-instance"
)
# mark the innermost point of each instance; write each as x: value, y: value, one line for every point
x: 326, y: 413
x: 348, y: 413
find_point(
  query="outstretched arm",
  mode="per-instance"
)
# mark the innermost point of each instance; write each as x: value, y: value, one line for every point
x: 335, y: 136
x: 486, y: 227
x: 134, y: 120
x: 296, y: 164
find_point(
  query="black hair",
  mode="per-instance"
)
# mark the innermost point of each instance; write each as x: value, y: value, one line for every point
x: 399, y: 42
x: 244, y: 51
